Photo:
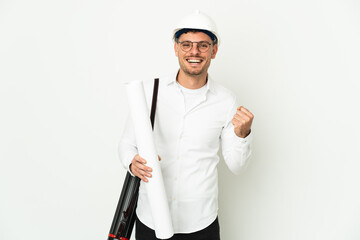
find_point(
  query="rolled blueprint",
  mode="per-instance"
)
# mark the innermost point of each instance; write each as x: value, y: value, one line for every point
x: 146, y: 147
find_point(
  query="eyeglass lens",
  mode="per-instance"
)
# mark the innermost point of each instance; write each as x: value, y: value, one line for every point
x: 201, y: 46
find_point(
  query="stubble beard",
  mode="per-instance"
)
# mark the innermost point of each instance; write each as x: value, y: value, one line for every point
x: 194, y: 72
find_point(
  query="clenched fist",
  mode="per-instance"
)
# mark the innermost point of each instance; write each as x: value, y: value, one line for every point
x: 242, y: 121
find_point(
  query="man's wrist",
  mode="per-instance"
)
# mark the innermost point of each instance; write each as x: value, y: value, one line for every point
x: 245, y: 135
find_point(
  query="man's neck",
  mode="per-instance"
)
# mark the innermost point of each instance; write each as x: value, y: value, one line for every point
x: 190, y: 81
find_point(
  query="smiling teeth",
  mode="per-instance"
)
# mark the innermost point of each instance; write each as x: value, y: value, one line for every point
x: 193, y: 61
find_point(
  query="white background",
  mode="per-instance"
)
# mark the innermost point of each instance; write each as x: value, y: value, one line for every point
x: 294, y: 64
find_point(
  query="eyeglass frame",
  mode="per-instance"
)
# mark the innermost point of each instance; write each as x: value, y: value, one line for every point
x: 197, y: 45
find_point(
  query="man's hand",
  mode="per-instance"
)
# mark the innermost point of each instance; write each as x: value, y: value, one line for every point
x: 139, y: 169
x: 242, y: 121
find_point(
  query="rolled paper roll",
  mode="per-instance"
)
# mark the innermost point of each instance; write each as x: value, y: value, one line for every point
x: 146, y: 148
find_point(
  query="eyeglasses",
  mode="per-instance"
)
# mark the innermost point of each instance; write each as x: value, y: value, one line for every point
x: 202, y: 46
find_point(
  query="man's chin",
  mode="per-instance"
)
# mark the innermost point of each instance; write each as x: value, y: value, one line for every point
x: 194, y: 72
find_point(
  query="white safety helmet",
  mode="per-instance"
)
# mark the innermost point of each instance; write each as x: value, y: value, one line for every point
x: 197, y: 21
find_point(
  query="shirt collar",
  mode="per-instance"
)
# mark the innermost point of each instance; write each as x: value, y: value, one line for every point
x: 209, y: 86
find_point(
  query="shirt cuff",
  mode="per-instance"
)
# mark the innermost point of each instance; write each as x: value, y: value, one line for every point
x: 126, y: 155
x: 246, y: 139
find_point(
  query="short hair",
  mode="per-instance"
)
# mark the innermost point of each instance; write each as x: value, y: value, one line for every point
x: 186, y: 30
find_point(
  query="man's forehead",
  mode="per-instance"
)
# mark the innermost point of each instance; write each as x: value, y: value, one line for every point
x: 195, y: 36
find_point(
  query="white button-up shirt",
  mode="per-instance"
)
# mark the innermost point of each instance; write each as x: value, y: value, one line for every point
x: 188, y: 141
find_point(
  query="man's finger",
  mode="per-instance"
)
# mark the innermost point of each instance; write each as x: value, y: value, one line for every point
x: 144, y: 173
x: 139, y: 159
x: 242, y: 115
x: 143, y: 167
x: 236, y: 122
x: 246, y: 111
x: 141, y: 174
x: 143, y: 178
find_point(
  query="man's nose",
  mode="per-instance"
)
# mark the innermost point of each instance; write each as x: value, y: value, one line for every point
x: 195, y: 49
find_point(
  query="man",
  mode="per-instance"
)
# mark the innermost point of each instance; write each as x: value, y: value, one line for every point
x: 194, y: 116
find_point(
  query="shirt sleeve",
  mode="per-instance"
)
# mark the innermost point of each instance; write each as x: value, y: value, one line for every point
x: 235, y: 150
x: 127, y: 146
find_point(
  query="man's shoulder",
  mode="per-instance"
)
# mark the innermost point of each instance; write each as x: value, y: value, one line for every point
x: 222, y: 91
x: 163, y: 79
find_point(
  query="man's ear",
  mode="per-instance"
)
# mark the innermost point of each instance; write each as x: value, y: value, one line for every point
x: 176, y: 48
x: 214, y: 51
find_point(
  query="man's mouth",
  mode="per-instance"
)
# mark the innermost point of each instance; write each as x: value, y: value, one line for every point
x: 194, y: 60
